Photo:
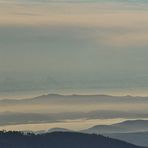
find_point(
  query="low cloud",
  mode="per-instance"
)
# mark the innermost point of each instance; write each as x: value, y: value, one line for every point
x: 12, y: 118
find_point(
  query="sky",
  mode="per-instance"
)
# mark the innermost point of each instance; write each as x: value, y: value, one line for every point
x: 74, y: 46
x: 68, y: 47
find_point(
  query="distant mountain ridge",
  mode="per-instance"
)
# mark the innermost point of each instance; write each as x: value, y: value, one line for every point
x: 123, y: 127
x: 95, y: 97
x: 58, y: 130
x: 139, y: 138
x: 125, y: 131
x: 132, y: 131
x: 134, y: 124
x: 75, y: 107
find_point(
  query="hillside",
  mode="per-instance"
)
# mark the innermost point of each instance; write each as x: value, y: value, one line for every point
x: 59, y: 140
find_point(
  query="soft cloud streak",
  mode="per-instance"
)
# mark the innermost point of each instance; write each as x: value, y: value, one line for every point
x: 95, y: 39
x: 125, y: 26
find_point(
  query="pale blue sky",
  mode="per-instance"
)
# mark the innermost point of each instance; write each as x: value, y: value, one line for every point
x: 78, y: 46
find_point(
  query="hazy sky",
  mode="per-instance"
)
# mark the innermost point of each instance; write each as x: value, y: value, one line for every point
x: 67, y: 44
x: 72, y: 46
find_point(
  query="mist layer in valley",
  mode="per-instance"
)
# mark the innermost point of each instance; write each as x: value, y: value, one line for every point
x: 70, y: 110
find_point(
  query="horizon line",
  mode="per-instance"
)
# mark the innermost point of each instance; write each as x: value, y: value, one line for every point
x: 74, y: 94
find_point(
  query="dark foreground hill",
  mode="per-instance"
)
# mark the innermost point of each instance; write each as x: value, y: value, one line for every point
x: 59, y: 140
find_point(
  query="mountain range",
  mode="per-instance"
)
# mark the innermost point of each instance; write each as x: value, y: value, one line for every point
x: 50, y: 98
x: 126, y: 131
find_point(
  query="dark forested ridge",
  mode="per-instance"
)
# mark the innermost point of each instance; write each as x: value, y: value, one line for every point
x: 59, y: 140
